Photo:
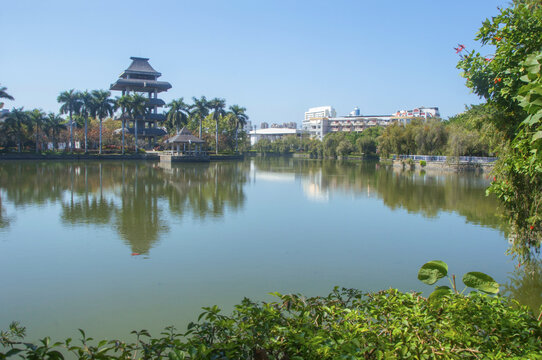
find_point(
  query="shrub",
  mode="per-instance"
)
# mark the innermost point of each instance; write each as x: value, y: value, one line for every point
x: 423, y: 163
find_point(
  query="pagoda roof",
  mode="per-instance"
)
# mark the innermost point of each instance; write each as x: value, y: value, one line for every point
x: 141, y: 85
x: 184, y: 136
x: 140, y: 66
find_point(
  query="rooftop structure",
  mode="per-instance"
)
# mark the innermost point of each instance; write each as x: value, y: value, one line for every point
x: 141, y: 77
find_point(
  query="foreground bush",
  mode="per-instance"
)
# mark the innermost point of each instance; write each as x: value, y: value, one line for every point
x: 344, y: 325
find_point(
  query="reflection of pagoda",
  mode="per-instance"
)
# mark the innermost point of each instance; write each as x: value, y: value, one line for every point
x: 140, y: 77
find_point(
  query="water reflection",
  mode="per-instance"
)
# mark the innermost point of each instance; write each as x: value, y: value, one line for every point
x: 127, y: 195
x: 427, y: 193
x: 137, y: 198
x: 525, y: 285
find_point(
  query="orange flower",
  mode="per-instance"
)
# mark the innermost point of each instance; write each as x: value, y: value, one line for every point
x: 531, y: 227
x: 498, y: 38
x: 498, y: 80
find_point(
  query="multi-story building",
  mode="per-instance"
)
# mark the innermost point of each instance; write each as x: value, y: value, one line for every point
x: 405, y: 116
x: 357, y: 123
x: 316, y: 121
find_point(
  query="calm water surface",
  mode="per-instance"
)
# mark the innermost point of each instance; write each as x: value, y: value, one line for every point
x: 116, y: 246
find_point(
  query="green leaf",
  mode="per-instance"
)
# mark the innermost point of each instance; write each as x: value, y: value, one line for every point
x: 431, y: 271
x: 439, y: 293
x: 481, y: 281
x: 537, y: 136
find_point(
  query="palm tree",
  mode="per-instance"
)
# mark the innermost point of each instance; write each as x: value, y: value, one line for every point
x: 102, y: 106
x: 200, y: 109
x: 138, y: 107
x: 240, y: 119
x: 178, y: 113
x: 37, y: 118
x: 70, y: 104
x: 15, y: 123
x: 218, y: 106
x: 55, y: 124
x: 123, y: 103
x: 4, y: 95
x: 86, y: 103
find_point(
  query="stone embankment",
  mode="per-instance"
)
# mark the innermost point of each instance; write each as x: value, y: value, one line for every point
x: 444, y: 166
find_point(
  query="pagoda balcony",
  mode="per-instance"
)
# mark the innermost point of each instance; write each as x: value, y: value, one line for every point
x: 140, y: 85
x: 147, y: 131
x: 155, y: 102
x: 147, y: 117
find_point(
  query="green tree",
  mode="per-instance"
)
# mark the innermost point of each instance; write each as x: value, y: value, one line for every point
x: 4, y: 95
x: 218, y: 106
x: 70, y: 105
x: 366, y: 145
x: 510, y: 80
x: 240, y: 118
x: 137, y: 109
x: 37, y: 119
x: 123, y: 103
x: 15, y: 123
x: 178, y: 113
x: 86, y: 102
x: 54, y: 124
x: 199, y: 110
x: 514, y: 34
x: 102, y: 107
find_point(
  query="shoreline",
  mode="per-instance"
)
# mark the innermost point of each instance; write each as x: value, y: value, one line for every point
x: 78, y: 157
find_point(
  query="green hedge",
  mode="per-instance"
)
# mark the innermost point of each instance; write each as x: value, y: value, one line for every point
x: 344, y: 325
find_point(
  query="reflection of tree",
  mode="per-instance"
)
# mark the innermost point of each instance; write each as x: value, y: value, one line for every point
x: 205, y: 189
x: 4, y: 221
x: 525, y: 285
x: 427, y: 194
x: 125, y: 194
x: 138, y: 217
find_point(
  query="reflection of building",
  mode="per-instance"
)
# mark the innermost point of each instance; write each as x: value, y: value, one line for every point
x: 272, y: 134
x: 140, y: 77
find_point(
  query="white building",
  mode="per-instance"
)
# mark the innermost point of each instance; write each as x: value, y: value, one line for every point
x: 357, y: 123
x: 316, y: 122
x: 272, y: 134
x: 405, y: 116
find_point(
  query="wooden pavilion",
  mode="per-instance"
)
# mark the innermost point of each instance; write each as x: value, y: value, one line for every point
x: 185, y: 144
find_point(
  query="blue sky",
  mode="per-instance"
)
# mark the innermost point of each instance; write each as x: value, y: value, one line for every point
x: 276, y: 58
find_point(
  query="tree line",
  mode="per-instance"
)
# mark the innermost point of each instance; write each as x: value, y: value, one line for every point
x: 88, y: 110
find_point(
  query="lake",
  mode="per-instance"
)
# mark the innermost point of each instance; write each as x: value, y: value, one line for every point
x: 115, y: 246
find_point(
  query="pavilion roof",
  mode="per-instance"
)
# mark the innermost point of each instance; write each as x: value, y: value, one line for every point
x: 184, y: 136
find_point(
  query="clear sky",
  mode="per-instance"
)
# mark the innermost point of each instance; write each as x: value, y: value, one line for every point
x: 276, y: 58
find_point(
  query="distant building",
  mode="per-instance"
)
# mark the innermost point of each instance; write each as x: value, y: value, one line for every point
x: 405, y: 116
x: 264, y: 125
x: 357, y: 123
x: 316, y: 122
x: 272, y: 134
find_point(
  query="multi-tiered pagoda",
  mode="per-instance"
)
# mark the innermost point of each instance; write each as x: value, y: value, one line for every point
x: 140, y: 77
